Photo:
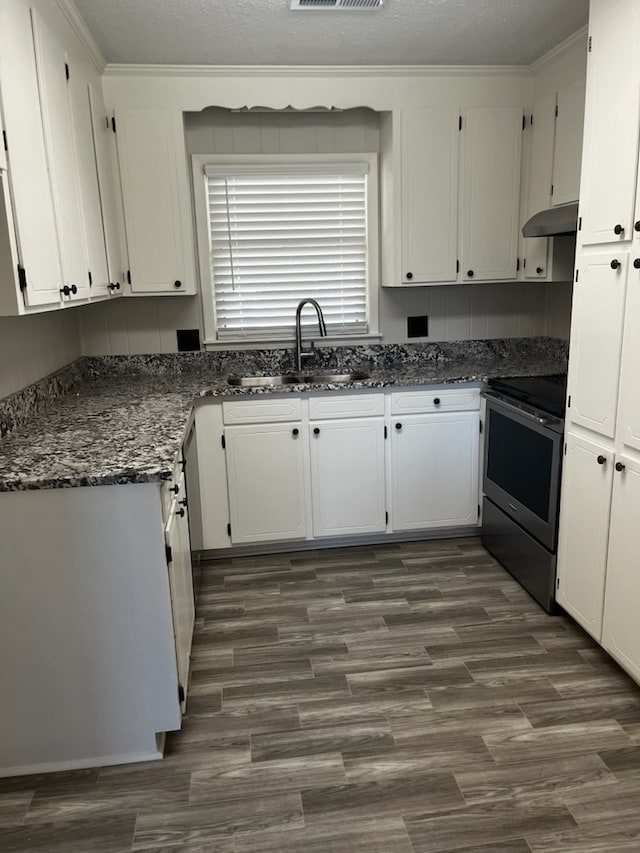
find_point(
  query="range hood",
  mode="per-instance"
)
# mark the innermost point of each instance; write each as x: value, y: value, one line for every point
x: 553, y: 222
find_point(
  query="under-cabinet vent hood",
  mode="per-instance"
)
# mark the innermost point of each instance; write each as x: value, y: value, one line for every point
x: 553, y: 222
x: 336, y: 4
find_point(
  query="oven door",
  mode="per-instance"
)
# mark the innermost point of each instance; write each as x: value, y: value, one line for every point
x: 523, y: 455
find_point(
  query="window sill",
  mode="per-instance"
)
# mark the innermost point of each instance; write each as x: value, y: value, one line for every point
x: 287, y: 343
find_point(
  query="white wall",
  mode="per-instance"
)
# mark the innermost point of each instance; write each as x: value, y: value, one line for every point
x: 456, y: 313
x: 460, y: 312
x: 32, y: 347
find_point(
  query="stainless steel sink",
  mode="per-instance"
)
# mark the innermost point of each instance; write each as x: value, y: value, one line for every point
x: 334, y: 378
x: 296, y: 379
x: 259, y: 381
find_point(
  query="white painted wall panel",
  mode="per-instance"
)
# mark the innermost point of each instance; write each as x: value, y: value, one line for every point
x: 32, y: 347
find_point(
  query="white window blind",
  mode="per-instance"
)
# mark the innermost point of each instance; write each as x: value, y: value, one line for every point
x: 279, y: 233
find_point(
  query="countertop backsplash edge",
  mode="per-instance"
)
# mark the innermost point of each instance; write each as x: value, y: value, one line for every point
x: 18, y: 407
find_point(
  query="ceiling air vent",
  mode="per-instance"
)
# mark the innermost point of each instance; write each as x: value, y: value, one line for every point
x: 336, y: 4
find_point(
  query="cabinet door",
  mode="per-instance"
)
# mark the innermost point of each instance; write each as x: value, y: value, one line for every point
x: 31, y: 196
x: 621, y: 633
x: 265, y: 474
x: 181, y: 586
x: 434, y: 470
x: 347, y: 476
x: 491, y: 193
x: 596, y: 341
x: 568, y: 144
x: 629, y: 412
x: 430, y: 142
x: 110, y: 193
x: 612, y: 119
x: 156, y: 201
x: 59, y: 128
x: 543, y: 129
x: 84, y: 134
x: 584, y: 528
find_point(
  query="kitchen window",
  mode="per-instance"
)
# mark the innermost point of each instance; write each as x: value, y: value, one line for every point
x: 274, y: 230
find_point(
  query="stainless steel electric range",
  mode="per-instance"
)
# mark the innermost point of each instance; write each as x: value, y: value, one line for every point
x: 521, y: 483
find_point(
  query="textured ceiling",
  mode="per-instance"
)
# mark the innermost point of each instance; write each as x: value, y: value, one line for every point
x: 268, y: 32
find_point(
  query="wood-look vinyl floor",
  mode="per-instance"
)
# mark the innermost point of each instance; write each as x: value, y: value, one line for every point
x: 409, y: 698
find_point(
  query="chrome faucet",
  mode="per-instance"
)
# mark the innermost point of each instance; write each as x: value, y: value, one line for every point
x: 300, y: 353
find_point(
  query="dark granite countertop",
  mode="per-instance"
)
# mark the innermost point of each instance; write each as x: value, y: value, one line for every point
x: 129, y: 428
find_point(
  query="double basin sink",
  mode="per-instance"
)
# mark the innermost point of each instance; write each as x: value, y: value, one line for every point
x: 296, y: 379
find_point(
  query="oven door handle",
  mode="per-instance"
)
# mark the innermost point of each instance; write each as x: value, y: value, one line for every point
x: 491, y: 395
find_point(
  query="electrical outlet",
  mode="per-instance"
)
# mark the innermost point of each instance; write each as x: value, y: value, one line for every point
x: 418, y: 327
x: 188, y: 339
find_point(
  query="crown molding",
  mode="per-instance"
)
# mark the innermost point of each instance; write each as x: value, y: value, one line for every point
x: 352, y: 71
x: 538, y: 64
x: 71, y: 13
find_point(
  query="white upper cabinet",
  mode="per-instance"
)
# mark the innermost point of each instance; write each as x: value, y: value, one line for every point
x: 430, y: 143
x: 612, y: 120
x: 629, y: 412
x: 59, y: 127
x: 51, y: 92
x: 456, y: 191
x: 81, y: 92
x: 567, y: 155
x: 32, y: 203
x: 543, y: 130
x: 596, y: 340
x: 110, y: 195
x: 490, y: 193
x: 157, y: 207
x: 584, y: 531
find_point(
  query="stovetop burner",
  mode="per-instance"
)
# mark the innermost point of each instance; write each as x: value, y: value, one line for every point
x: 547, y: 393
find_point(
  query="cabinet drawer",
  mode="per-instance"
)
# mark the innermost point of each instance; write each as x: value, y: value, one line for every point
x: 346, y: 406
x: 262, y: 411
x: 435, y: 400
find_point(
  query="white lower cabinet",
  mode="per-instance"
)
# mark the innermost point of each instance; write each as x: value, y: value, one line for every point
x: 434, y: 470
x: 621, y: 632
x: 266, y: 481
x: 599, y: 581
x: 289, y: 467
x: 178, y: 552
x: 107, y: 641
x: 347, y: 476
x: 584, y: 531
